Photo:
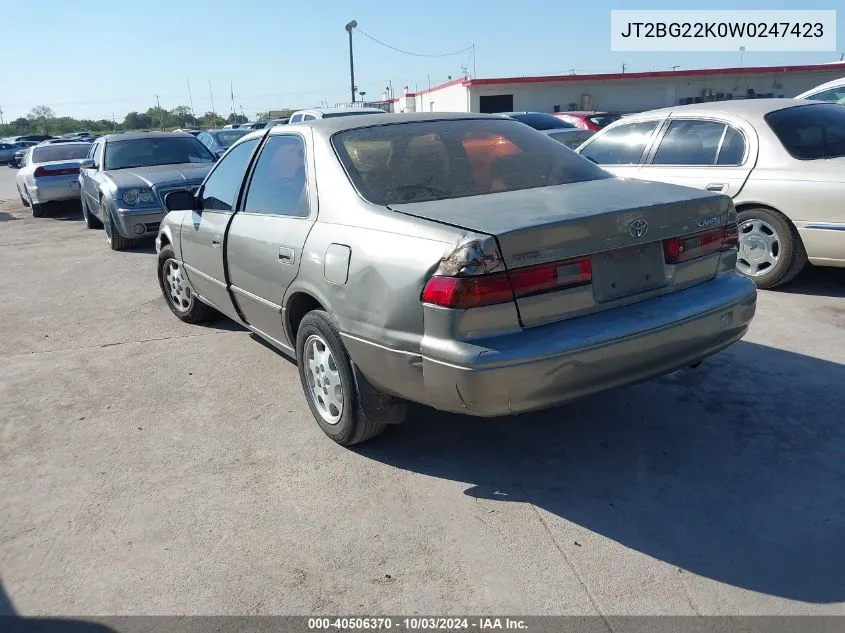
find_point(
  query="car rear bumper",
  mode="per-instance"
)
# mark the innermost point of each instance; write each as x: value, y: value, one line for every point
x: 134, y: 223
x: 549, y: 365
x: 54, y: 189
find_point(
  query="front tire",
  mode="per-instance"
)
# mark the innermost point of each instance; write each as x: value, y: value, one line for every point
x: 177, y: 292
x: 91, y: 220
x: 770, y: 250
x: 325, y: 372
x: 116, y: 241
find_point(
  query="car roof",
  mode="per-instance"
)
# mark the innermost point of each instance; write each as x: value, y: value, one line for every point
x: 754, y: 108
x: 341, y: 123
x: 133, y: 136
x: 586, y: 112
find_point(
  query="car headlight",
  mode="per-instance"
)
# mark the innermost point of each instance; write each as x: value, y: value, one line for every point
x: 136, y: 196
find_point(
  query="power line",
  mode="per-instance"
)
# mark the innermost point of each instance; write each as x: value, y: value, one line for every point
x: 399, y: 50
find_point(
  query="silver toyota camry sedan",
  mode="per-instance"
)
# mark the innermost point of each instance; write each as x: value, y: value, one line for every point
x: 466, y: 262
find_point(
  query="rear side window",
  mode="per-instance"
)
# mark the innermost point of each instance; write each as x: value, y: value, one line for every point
x: 809, y: 132
x: 278, y: 181
x: 690, y: 143
x: 542, y: 121
x: 833, y: 95
x: 436, y: 160
x: 733, y: 148
x: 221, y: 188
x: 623, y: 145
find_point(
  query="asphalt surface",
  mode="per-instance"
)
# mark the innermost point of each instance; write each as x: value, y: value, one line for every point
x: 153, y: 467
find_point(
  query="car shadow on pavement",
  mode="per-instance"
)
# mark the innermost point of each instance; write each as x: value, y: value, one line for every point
x: 815, y: 280
x: 734, y: 471
x: 7, y: 217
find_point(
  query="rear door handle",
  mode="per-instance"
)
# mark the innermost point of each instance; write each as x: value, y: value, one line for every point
x: 716, y: 186
x: 215, y: 241
x: 286, y: 255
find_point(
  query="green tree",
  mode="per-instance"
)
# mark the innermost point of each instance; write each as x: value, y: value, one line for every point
x: 236, y: 118
x: 211, y: 120
x: 137, y: 121
x: 42, y: 116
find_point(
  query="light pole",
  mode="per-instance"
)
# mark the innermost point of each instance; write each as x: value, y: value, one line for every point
x: 349, y: 28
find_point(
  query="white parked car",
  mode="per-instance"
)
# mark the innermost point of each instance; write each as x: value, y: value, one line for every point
x: 330, y: 113
x: 781, y: 160
x: 833, y: 91
x: 50, y: 173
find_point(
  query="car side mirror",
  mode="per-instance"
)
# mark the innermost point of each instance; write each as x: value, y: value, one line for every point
x: 181, y: 201
x: 88, y: 163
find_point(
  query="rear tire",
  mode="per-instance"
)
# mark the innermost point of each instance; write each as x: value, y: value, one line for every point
x: 180, y: 297
x: 770, y: 250
x: 116, y: 241
x: 325, y: 372
x: 39, y: 210
x: 24, y: 201
x: 91, y: 220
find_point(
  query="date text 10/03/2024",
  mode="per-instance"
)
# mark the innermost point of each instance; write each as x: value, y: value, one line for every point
x: 416, y: 624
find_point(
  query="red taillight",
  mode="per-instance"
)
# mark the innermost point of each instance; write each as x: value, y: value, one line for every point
x: 682, y: 249
x: 468, y: 292
x: 483, y: 290
x: 41, y: 172
x: 553, y: 276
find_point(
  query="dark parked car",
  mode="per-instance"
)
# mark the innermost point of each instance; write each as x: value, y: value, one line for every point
x: 558, y: 129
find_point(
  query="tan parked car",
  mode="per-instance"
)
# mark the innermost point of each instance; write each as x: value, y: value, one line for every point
x: 466, y: 262
x: 781, y: 160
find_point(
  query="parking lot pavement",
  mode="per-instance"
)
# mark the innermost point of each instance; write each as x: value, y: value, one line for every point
x: 149, y: 466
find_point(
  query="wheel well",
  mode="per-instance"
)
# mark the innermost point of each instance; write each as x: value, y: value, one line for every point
x: 756, y: 205
x: 164, y: 241
x: 300, y: 304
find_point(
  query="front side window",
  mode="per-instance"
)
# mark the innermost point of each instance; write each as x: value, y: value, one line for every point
x: 221, y: 188
x: 296, y: 118
x: 622, y: 145
x: 436, y: 160
x: 690, y: 142
x: 278, y: 184
x: 811, y: 131
x: 164, y: 150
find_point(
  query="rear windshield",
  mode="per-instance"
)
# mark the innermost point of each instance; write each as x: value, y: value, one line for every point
x: 145, y: 152
x: 541, y: 120
x: 603, y: 120
x: 225, y: 139
x: 810, y: 131
x: 436, y: 160
x: 59, y: 151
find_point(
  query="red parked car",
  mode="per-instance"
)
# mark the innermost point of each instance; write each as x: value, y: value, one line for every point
x: 589, y: 120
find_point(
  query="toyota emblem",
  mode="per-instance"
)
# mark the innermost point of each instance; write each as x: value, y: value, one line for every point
x: 638, y: 228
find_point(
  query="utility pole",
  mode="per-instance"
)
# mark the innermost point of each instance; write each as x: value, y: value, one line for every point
x: 1, y: 116
x: 474, y: 75
x: 232, y: 95
x: 624, y: 68
x: 160, y: 114
x: 210, y: 92
x: 190, y: 97
x: 349, y: 28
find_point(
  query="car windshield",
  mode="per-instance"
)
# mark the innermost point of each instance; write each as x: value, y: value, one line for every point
x: 810, y: 131
x: 541, y: 121
x: 146, y: 152
x: 436, y: 160
x: 225, y: 139
x: 603, y: 120
x: 59, y: 151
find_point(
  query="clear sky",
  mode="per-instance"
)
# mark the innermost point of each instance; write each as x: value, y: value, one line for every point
x: 95, y: 58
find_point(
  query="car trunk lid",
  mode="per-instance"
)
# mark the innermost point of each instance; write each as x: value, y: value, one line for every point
x: 619, y: 225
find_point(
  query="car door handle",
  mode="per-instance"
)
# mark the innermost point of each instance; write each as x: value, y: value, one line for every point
x: 215, y: 241
x: 286, y: 255
x: 716, y: 186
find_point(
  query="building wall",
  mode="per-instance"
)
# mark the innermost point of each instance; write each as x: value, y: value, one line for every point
x: 630, y: 95
x: 447, y: 99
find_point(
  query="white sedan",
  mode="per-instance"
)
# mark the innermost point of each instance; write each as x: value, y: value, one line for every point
x: 50, y: 173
